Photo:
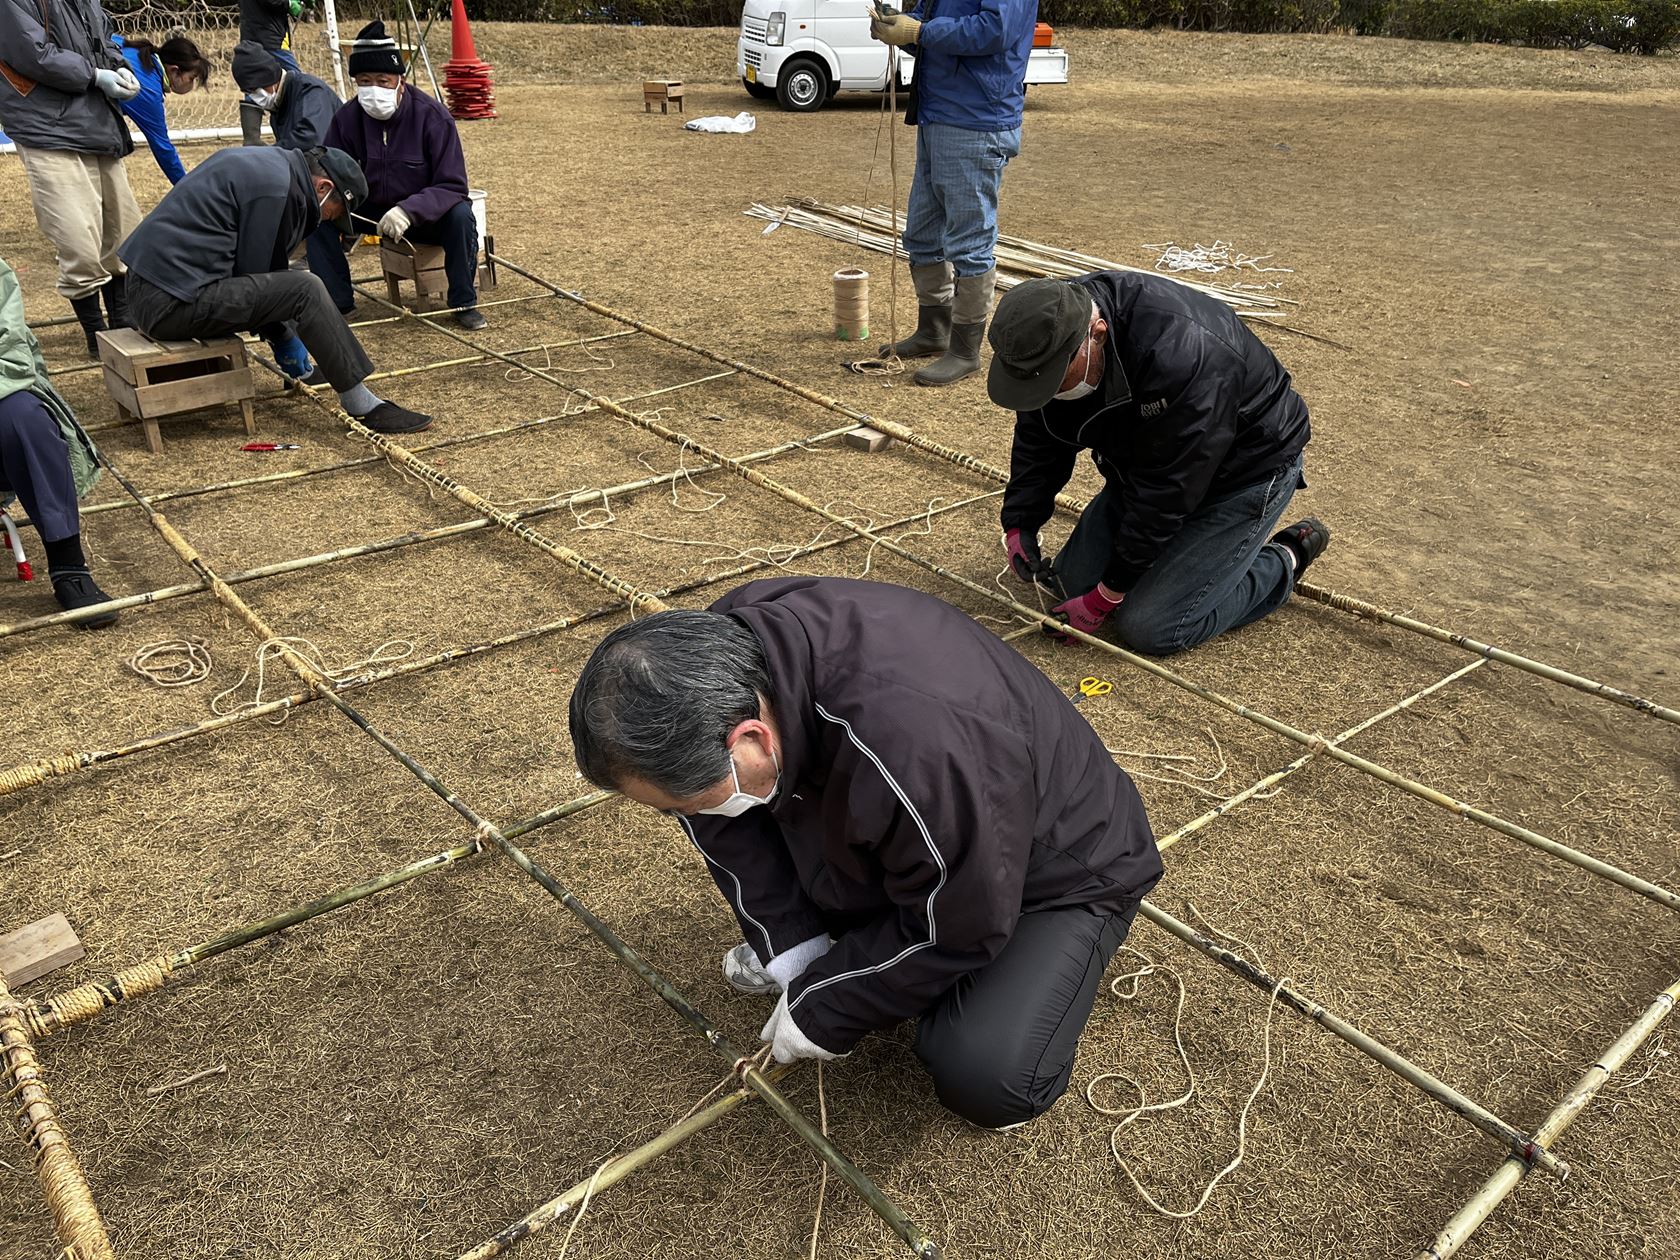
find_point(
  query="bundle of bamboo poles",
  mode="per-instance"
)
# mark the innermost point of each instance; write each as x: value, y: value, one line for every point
x: 1018, y: 259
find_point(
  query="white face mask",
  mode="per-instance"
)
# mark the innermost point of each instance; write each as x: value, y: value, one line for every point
x: 379, y: 102
x: 265, y: 100
x: 740, y: 802
x: 1085, y: 386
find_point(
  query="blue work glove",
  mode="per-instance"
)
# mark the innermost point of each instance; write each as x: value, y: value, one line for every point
x: 292, y: 358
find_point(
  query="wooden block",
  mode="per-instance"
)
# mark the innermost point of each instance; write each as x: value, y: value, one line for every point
x: 131, y: 354
x: 38, y: 949
x: 173, y: 397
x: 863, y: 438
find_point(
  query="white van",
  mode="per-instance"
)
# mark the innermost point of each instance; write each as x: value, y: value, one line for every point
x: 804, y: 51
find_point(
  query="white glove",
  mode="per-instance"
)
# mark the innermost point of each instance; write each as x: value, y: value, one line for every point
x: 787, y: 1043
x: 119, y: 85
x: 790, y: 964
x: 395, y: 224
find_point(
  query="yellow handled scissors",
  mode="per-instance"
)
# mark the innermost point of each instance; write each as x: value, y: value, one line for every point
x: 1090, y: 686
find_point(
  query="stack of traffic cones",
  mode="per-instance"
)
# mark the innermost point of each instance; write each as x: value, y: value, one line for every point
x: 466, y: 79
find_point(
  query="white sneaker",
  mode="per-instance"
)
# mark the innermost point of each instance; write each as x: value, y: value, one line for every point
x: 745, y: 974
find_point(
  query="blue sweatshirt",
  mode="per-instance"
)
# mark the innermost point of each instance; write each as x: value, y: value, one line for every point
x: 971, y: 62
x: 145, y: 111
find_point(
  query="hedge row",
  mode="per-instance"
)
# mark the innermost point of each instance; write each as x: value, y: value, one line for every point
x: 1642, y: 26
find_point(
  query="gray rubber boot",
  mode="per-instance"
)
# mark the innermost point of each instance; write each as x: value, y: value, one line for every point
x: 934, y: 289
x: 250, y: 123
x: 968, y: 325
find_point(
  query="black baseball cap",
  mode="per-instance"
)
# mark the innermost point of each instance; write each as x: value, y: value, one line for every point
x: 348, y: 182
x: 1036, y: 331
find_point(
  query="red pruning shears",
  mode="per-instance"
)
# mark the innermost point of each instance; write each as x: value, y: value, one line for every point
x: 271, y: 446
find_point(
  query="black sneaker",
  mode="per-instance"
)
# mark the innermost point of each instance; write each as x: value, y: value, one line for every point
x: 74, y: 588
x: 471, y: 319
x: 1307, y: 538
x: 390, y: 418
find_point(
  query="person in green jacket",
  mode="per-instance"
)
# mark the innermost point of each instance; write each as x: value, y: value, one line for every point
x: 46, y: 459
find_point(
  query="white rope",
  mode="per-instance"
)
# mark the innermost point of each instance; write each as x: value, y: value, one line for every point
x: 1145, y: 1107
x: 173, y: 662
x: 386, y: 653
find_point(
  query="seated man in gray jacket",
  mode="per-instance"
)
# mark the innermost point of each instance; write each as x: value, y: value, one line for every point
x: 212, y: 260
x: 907, y: 818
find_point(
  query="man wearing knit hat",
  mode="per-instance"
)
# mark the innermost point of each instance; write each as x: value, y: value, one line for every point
x: 268, y: 24
x: 212, y: 258
x: 300, y: 106
x: 417, y: 177
x: 1199, y: 436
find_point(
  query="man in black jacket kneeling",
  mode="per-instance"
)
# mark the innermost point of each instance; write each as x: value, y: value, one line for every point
x: 907, y: 818
x: 1198, y: 434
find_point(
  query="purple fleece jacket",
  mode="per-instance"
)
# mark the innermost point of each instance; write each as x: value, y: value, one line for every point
x: 413, y: 159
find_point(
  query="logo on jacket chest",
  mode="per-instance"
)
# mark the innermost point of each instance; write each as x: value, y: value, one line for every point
x: 1150, y: 409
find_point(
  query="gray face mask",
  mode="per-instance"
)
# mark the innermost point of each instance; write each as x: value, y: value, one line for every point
x: 1085, y: 386
x: 739, y: 802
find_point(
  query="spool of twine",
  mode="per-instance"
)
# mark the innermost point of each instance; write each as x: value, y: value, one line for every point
x: 851, y: 304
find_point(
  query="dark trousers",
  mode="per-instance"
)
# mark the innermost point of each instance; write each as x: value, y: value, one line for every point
x: 457, y: 232
x: 999, y: 1045
x: 1220, y: 570
x: 274, y: 305
x: 35, y: 464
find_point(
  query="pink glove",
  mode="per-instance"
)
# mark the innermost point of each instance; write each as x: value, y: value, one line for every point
x: 1028, y: 562
x: 1085, y: 612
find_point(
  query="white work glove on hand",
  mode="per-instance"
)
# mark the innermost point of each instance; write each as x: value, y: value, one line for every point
x: 899, y: 29
x: 395, y: 224
x: 119, y: 85
x: 787, y: 1043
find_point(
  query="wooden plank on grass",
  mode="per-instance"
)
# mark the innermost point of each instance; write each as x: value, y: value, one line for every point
x: 37, y: 949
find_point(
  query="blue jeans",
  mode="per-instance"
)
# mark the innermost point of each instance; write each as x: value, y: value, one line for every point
x: 457, y: 232
x: 952, y: 216
x: 1218, y: 572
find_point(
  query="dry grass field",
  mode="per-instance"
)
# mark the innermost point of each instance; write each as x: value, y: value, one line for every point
x: 1484, y: 229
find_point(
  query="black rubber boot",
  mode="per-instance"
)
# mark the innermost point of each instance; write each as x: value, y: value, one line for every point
x: 934, y: 289
x: 74, y: 587
x: 958, y: 363
x: 92, y: 320
x: 250, y: 123
x: 969, y: 310
x: 116, y: 302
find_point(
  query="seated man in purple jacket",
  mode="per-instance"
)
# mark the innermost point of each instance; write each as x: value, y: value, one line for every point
x: 907, y: 818
x: 417, y: 177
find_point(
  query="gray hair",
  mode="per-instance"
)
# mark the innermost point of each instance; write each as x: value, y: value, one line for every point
x: 659, y: 697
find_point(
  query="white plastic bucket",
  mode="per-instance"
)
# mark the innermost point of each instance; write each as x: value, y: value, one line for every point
x: 478, y: 197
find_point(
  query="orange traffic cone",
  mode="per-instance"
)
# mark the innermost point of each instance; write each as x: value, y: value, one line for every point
x: 466, y: 79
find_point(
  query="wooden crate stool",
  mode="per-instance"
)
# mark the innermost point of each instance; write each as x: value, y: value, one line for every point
x: 663, y: 93
x: 423, y: 264
x: 149, y: 380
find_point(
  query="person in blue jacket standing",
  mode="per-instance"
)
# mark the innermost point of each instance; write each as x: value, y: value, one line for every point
x: 175, y: 66
x: 969, y: 93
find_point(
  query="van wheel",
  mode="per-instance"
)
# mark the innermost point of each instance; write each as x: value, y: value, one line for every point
x: 757, y: 90
x: 802, y: 86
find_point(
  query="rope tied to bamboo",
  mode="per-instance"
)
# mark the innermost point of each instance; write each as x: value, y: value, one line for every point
x: 87, y: 1000
x: 20, y: 777
x: 311, y: 655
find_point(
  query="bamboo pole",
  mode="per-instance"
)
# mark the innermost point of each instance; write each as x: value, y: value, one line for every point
x: 235, y: 578
x: 537, y: 422
x: 29, y: 774
x: 76, y: 1005
x: 964, y: 460
x: 611, y: 1173
x: 1278, y: 776
x: 890, y: 427
x: 1484, y: 1120
x: 62, y: 1181
x: 1494, y: 822
x: 1509, y: 1175
x: 484, y: 830
x: 473, y: 360
x: 1359, y: 608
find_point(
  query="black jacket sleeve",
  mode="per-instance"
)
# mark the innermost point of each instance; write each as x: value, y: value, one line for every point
x: 933, y: 803
x: 1039, y: 466
x: 1169, y: 478
x: 750, y: 864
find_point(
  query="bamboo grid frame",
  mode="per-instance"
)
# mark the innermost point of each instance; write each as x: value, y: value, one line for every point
x: 23, y: 1022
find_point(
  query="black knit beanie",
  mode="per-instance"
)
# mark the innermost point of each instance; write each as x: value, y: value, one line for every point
x: 374, y: 52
